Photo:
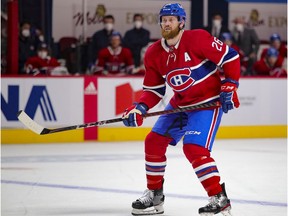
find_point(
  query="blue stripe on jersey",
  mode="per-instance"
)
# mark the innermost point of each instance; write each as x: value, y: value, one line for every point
x: 158, y: 91
x: 211, y: 168
x: 155, y: 168
x: 202, y: 71
x: 231, y: 54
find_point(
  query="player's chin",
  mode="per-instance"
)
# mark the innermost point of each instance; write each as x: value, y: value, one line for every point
x: 166, y: 34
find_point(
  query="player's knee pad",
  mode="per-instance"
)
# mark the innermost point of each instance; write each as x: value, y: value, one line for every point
x: 195, y: 152
x: 156, y: 144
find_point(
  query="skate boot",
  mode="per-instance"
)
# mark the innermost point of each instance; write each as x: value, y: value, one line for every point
x: 150, y: 203
x: 218, y: 203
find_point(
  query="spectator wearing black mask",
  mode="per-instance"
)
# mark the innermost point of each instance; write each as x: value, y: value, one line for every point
x: 26, y: 45
x: 137, y: 38
x: 101, y: 38
x: 216, y: 28
x: 247, y: 40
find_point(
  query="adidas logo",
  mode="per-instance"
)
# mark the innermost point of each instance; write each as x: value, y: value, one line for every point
x: 90, y: 89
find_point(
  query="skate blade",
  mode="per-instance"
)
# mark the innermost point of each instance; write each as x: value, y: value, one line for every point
x: 206, y: 214
x: 148, y: 211
x: 225, y: 212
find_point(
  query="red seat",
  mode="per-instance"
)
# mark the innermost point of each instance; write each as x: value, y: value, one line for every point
x: 67, y: 42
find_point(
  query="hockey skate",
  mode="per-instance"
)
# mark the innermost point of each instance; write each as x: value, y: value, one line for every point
x: 150, y: 203
x: 217, y: 204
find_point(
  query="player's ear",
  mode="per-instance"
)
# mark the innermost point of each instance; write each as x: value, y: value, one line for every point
x: 182, y: 24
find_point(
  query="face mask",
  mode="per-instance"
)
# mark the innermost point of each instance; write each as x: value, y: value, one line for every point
x: 43, y: 54
x: 138, y: 24
x: 108, y: 26
x: 41, y: 38
x: 26, y: 32
x: 216, y: 23
x: 239, y: 27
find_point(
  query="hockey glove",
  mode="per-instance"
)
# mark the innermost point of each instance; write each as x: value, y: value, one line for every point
x: 228, y: 95
x: 132, y: 116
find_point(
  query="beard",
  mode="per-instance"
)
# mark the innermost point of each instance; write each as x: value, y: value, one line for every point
x: 170, y: 34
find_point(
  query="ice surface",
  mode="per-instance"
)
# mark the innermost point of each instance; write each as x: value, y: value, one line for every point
x: 82, y: 179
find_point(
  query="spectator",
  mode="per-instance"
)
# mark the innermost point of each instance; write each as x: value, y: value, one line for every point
x: 227, y: 38
x: 26, y: 45
x: 275, y: 42
x: 39, y: 37
x: 247, y: 40
x: 44, y: 64
x: 100, y: 39
x: 216, y: 28
x: 270, y: 65
x: 114, y: 59
x: 136, y: 38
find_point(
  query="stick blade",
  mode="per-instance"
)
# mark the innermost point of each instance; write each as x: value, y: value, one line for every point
x: 29, y: 123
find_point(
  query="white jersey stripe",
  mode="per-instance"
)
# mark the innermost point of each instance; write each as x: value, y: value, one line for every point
x: 204, y: 166
x: 226, y: 51
x: 203, y: 178
x: 155, y: 92
x: 155, y: 87
x: 209, y: 74
x: 231, y: 59
x: 155, y: 173
x: 156, y: 163
x: 212, y: 128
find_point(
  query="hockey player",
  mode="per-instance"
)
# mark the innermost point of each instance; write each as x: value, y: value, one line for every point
x: 42, y: 64
x: 276, y: 42
x: 187, y: 61
x: 114, y: 59
x: 270, y: 65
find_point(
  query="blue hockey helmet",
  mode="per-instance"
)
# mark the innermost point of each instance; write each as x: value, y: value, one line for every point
x: 272, y: 52
x: 173, y: 9
x: 226, y: 36
x: 274, y: 37
x: 115, y: 34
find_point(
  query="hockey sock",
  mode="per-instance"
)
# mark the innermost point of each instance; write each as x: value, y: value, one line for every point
x: 155, y: 149
x: 204, y: 167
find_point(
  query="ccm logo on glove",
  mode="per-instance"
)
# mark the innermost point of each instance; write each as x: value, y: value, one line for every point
x: 228, y: 95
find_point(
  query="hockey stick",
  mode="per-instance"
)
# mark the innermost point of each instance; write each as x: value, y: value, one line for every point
x: 38, y: 129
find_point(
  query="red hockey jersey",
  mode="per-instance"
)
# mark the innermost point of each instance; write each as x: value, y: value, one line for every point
x: 282, y: 51
x: 262, y: 68
x: 189, y: 68
x: 36, y: 65
x: 114, y: 61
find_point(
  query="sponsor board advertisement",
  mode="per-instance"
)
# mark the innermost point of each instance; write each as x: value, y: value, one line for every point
x: 259, y: 104
x: 265, y: 18
x: 62, y: 101
x: 51, y: 102
x: 255, y: 116
x: 123, y: 93
x: 83, y: 18
x: 255, y: 108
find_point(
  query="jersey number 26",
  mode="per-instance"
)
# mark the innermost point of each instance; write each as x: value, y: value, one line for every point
x: 217, y: 44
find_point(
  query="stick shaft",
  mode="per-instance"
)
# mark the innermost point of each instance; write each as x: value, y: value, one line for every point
x: 109, y: 121
x: 34, y: 126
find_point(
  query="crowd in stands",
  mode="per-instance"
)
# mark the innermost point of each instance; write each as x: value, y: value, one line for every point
x: 108, y: 53
x: 246, y: 42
